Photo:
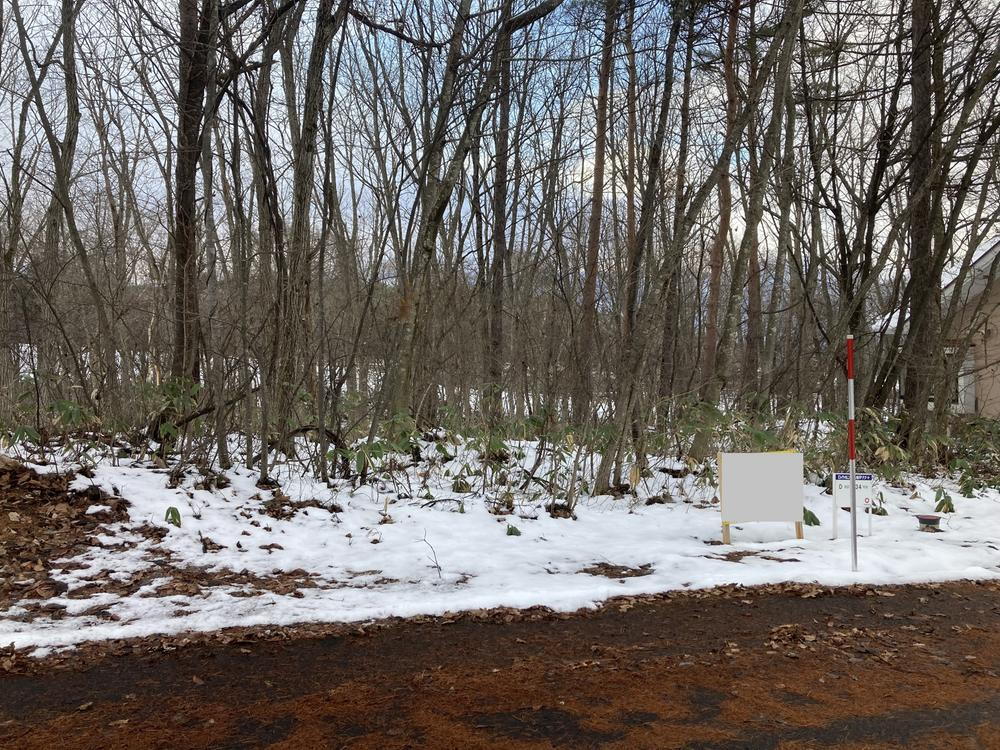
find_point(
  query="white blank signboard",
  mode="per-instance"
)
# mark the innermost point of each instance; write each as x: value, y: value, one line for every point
x: 760, y: 487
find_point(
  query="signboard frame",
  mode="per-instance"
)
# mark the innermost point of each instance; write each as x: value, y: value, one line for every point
x: 761, y: 487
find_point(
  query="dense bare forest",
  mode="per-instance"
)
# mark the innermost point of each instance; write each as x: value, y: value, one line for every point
x: 237, y: 222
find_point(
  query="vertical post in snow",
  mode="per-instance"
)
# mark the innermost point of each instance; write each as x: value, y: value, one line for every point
x: 850, y: 451
x: 833, y: 503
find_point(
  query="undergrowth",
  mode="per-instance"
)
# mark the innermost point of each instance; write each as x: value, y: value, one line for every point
x: 479, y: 457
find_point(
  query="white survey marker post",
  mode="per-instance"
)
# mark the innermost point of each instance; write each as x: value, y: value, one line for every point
x: 851, y: 456
x: 864, y: 486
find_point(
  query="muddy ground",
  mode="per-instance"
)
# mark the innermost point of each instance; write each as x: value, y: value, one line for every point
x: 792, y: 667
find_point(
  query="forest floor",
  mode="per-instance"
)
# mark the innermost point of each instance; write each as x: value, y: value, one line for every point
x: 103, y: 545
x: 772, y: 667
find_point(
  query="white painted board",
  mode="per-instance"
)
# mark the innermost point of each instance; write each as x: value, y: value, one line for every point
x: 760, y: 487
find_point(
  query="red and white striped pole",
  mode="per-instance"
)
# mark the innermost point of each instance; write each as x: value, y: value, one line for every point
x: 851, y: 452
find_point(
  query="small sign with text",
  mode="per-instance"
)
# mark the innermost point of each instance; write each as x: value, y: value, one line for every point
x: 865, y: 494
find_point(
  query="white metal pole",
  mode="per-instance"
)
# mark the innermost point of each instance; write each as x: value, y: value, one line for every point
x: 833, y: 503
x: 851, y: 452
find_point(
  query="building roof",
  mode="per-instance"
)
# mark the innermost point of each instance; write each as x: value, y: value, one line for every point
x: 982, y: 261
x: 975, y: 281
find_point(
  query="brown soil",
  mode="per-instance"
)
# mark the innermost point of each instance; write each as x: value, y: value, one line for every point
x: 41, y: 523
x: 608, y: 570
x: 781, y: 667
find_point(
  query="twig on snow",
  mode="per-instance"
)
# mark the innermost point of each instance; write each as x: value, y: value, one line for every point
x: 433, y: 556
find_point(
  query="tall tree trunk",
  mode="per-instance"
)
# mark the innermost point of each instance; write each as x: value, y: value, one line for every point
x: 294, y: 302
x: 671, y: 292
x: 925, y: 296
x: 583, y: 392
x: 755, y: 203
x: 717, y: 250
x: 63, y: 153
x: 194, y: 41
x: 631, y: 350
x: 755, y: 328
x: 439, y: 181
x: 780, y: 288
x: 214, y: 356
x: 493, y: 391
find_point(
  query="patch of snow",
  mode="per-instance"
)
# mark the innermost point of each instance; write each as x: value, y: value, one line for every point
x: 439, y: 550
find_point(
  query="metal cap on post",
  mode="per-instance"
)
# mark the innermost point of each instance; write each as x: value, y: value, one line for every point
x: 851, y: 456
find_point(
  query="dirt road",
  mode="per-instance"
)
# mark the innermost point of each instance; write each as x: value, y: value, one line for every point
x: 912, y: 667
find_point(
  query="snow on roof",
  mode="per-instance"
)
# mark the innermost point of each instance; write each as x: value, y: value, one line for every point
x: 982, y: 260
x: 975, y: 281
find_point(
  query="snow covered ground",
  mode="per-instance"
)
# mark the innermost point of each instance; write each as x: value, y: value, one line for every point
x: 438, y: 537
